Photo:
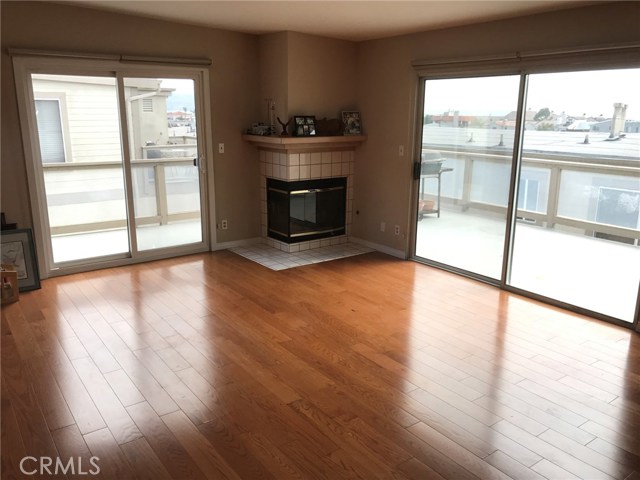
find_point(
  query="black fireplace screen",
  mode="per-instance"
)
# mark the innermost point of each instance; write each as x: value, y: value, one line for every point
x: 306, y: 210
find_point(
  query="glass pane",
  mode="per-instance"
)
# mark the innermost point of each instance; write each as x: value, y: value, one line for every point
x: 576, y: 239
x: 467, y: 149
x: 164, y: 148
x: 79, y: 134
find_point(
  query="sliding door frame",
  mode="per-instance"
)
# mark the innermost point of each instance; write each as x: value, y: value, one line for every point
x: 109, y: 66
x: 523, y: 64
x: 513, y: 179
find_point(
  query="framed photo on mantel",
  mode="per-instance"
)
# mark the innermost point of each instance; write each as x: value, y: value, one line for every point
x: 304, y: 126
x: 352, y: 123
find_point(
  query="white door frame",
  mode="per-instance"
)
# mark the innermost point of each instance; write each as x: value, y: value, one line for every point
x: 111, y: 67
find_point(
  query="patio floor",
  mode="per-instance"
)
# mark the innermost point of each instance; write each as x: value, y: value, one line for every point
x: 111, y: 242
x: 592, y: 273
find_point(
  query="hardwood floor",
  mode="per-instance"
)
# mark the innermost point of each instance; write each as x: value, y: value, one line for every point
x: 211, y: 366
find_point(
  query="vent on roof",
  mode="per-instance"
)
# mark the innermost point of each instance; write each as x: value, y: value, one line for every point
x: 147, y: 104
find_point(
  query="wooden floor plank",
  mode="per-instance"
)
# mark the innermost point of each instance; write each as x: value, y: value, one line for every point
x: 457, y: 453
x: 536, y: 408
x: 11, y: 443
x: 227, y: 439
x: 416, y: 470
x: 171, y: 453
x: 271, y: 457
x: 203, y: 453
x: 86, y: 415
x: 124, y: 388
x: 211, y: 366
x: 112, y: 462
x: 115, y: 416
x: 552, y: 453
x: 179, y: 392
x: 511, y: 467
x: 33, y: 428
x: 71, y: 445
x: 151, y: 390
x: 586, y: 454
x: 350, y: 443
x: 144, y: 462
x: 551, y: 471
x: 615, y: 453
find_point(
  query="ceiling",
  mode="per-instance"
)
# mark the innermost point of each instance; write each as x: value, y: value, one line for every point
x: 355, y: 20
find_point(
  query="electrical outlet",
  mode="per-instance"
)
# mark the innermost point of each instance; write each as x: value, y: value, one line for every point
x: 401, y: 150
x: 396, y: 230
x: 221, y: 148
x: 224, y: 225
x: 383, y: 226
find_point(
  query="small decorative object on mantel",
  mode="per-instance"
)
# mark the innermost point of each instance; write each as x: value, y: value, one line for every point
x: 304, y: 126
x: 259, y: 129
x: 329, y: 127
x: 352, y: 123
x: 271, y: 115
x: 284, y: 127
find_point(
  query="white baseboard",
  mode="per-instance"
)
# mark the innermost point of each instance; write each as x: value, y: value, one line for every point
x: 236, y: 243
x: 381, y: 248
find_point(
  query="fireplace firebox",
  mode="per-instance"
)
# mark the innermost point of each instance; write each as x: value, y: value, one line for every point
x: 306, y: 210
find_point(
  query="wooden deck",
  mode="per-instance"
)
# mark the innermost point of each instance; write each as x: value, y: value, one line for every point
x: 211, y: 366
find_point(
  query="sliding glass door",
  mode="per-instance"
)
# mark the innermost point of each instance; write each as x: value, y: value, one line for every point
x: 560, y: 218
x: 463, y: 183
x: 163, y: 150
x: 81, y: 164
x: 117, y: 162
x: 576, y: 238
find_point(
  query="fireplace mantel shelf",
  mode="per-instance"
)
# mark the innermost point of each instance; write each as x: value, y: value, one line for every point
x: 287, y: 144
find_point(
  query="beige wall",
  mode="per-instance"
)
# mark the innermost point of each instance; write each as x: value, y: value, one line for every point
x: 387, y: 85
x: 321, y: 76
x: 273, y: 54
x: 233, y: 84
x: 307, y: 75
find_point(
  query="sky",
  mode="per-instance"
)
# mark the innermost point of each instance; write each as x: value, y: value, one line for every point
x: 574, y: 93
x: 183, y: 94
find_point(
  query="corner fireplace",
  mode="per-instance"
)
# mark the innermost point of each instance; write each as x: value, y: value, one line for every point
x: 305, y: 210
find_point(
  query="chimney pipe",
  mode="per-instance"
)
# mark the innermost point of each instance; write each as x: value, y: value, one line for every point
x: 619, y: 119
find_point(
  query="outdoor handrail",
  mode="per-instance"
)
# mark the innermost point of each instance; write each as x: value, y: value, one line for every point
x: 555, y: 163
x: 116, y: 164
x: 630, y: 164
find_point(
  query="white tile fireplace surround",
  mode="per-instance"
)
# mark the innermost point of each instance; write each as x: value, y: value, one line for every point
x: 303, y: 158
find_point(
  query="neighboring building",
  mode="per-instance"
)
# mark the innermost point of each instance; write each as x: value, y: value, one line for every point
x: 630, y: 126
x: 63, y: 100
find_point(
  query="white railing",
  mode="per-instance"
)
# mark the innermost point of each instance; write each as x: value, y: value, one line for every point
x: 626, y: 170
x: 103, y: 180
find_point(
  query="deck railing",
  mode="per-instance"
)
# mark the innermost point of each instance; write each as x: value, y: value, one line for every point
x: 102, y: 181
x: 89, y: 178
x: 557, y: 166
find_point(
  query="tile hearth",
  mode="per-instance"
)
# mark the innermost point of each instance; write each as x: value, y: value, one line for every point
x: 276, y: 259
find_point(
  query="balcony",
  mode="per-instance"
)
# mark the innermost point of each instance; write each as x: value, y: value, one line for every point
x: 583, y: 258
x: 576, y: 240
x: 87, y: 206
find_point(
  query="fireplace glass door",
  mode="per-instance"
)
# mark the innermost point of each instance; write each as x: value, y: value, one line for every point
x: 306, y: 210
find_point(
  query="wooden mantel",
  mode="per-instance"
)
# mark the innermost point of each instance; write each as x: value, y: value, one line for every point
x: 296, y: 144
